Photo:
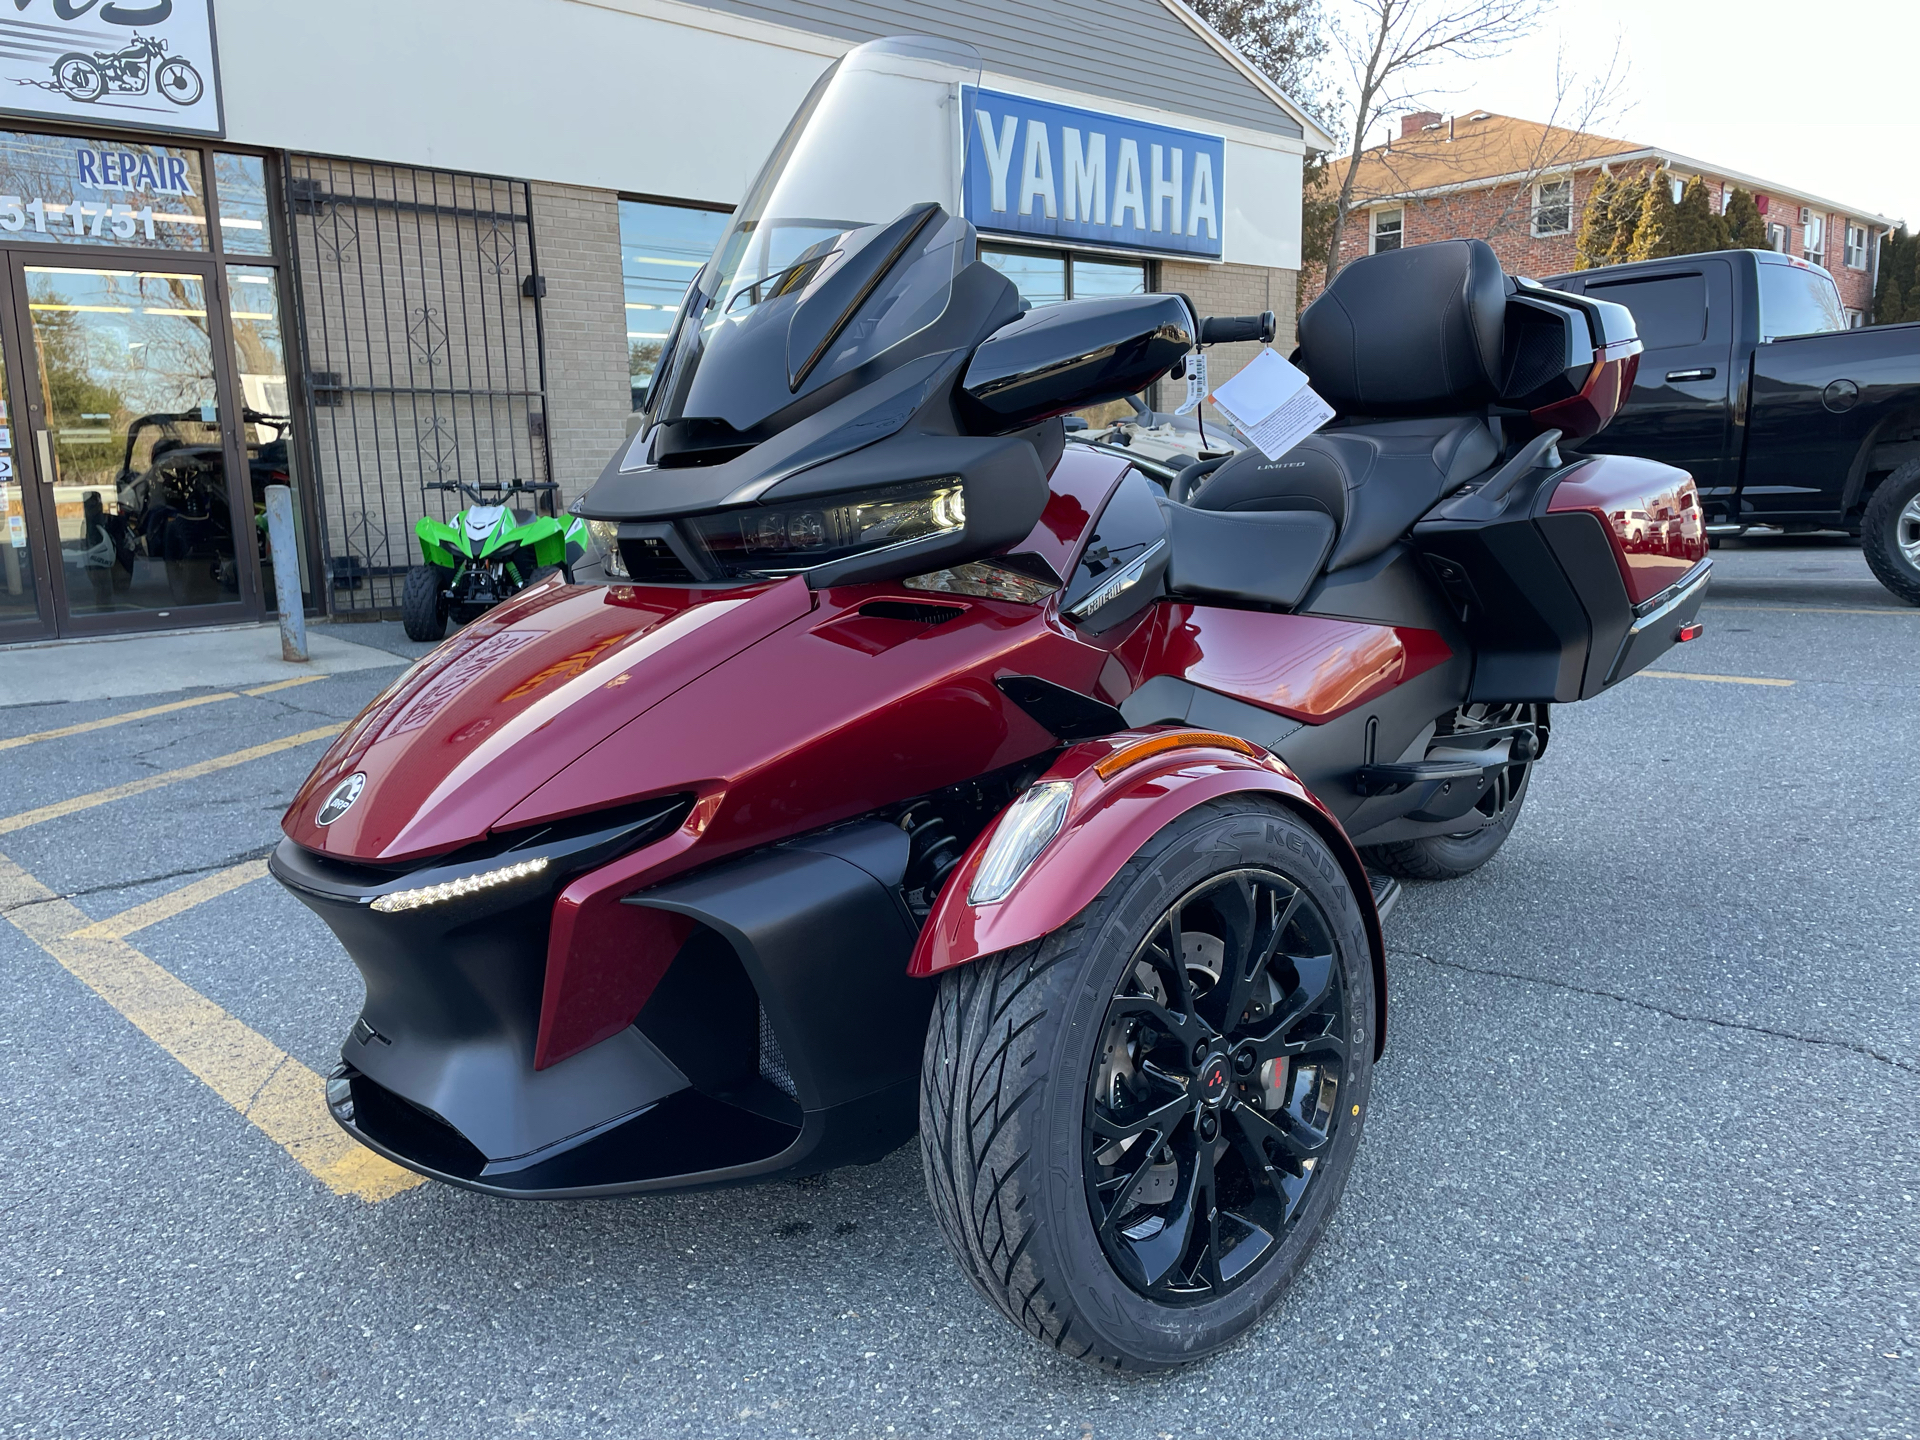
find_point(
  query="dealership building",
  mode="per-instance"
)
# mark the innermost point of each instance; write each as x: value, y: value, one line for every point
x: 371, y: 250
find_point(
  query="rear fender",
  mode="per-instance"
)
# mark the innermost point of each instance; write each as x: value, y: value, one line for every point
x: 1108, y: 820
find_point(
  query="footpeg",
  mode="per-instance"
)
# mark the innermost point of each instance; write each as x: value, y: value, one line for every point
x: 1447, y: 788
x: 1373, y: 780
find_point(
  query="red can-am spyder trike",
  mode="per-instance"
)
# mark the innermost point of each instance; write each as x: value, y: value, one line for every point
x: 916, y: 769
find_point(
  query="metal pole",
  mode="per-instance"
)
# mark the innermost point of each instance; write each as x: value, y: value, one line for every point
x: 286, y: 573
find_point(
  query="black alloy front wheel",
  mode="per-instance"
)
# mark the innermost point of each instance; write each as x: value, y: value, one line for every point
x: 1135, y: 1130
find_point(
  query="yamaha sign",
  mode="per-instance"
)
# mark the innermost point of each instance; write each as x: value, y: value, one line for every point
x: 1055, y: 172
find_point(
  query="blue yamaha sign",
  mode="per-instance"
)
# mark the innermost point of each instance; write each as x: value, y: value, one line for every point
x: 1054, y: 172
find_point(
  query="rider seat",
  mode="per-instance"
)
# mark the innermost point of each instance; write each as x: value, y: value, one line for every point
x: 1407, y: 348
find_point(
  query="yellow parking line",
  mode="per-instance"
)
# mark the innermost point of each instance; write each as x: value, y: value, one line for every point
x: 165, y: 777
x: 175, y: 902
x: 1686, y: 675
x: 276, y: 1093
x: 14, y: 742
x: 284, y: 684
x: 1812, y: 609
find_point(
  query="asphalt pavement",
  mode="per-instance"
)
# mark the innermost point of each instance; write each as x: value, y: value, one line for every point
x: 1644, y: 1158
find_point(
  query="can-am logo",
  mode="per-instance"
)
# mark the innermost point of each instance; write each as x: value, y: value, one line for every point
x: 342, y: 798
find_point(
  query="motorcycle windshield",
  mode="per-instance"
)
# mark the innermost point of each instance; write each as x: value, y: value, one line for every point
x: 845, y: 245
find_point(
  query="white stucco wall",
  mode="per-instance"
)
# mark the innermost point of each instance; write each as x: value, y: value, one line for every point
x: 650, y: 97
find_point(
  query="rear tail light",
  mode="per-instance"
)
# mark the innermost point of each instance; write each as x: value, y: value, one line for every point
x: 1692, y: 630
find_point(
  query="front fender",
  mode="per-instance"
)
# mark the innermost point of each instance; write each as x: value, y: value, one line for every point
x: 1108, y: 820
x: 439, y: 542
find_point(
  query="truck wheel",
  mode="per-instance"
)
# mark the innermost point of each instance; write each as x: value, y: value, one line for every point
x: 1890, y: 532
x: 423, y: 603
x: 1135, y: 1130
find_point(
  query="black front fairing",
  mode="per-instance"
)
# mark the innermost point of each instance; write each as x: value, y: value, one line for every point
x: 694, y: 463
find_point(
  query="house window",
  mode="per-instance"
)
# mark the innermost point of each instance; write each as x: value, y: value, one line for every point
x: 1387, y: 230
x: 1856, y: 247
x: 1553, y: 207
x: 1855, y: 319
x: 1777, y: 236
x: 1678, y: 187
x: 1814, y: 239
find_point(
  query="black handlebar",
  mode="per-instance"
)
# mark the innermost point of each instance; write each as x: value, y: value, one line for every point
x: 1221, y: 329
x: 478, y: 487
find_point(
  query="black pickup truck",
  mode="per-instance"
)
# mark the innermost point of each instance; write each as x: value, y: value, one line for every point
x: 1784, y: 417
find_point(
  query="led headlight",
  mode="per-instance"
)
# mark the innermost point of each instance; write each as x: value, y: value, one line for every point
x: 606, y: 537
x: 454, y: 889
x: 783, y: 539
x: 1030, y: 822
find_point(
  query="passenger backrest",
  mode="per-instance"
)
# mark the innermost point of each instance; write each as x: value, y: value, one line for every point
x: 1418, y: 331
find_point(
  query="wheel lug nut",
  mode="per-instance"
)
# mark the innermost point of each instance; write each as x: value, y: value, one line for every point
x: 1243, y: 1062
x: 1209, y: 1127
x: 1199, y: 1052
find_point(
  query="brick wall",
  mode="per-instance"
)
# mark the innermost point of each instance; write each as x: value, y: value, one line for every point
x: 1231, y: 290
x: 1502, y: 216
x: 577, y: 236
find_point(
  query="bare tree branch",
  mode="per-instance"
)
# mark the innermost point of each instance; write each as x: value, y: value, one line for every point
x: 1387, y: 42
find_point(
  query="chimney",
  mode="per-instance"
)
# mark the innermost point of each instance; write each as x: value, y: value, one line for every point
x: 1415, y: 123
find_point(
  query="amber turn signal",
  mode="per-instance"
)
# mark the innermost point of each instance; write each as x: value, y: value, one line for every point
x: 1152, y: 745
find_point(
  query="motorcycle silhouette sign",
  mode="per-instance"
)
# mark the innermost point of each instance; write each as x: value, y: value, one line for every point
x: 142, y: 65
x: 149, y: 66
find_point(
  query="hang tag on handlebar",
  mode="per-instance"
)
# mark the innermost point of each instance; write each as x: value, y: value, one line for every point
x: 1272, y: 404
x: 1196, y: 383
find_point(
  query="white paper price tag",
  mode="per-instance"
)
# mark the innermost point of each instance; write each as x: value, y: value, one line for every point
x: 1272, y: 404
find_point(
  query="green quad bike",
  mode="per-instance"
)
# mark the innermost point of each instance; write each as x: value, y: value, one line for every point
x: 484, y: 554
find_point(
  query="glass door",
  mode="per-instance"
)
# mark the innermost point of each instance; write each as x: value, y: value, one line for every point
x: 142, y: 525
x: 26, y: 597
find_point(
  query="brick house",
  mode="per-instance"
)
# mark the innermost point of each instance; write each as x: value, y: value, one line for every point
x: 1523, y: 187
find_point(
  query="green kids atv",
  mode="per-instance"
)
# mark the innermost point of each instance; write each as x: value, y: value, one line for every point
x: 484, y: 554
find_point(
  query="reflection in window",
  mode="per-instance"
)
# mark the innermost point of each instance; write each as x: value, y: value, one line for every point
x: 242, y: 183
x: 64, y: 190
x: 260, y: 363
x: 1104, y: 277
x: 662, y: 247
x: 1046, y: 277
x: 139, y: 486
x: 1041, y: 279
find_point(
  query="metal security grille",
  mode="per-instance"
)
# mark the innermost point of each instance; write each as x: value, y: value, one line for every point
x: 419, y: 305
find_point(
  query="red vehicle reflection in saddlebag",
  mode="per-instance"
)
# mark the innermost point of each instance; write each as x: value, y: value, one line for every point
x: 1651, y: 511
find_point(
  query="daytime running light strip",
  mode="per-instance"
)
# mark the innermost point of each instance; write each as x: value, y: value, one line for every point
x: 454, y: 889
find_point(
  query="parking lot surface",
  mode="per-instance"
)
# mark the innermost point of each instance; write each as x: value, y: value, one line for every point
x: 1644, y: 1159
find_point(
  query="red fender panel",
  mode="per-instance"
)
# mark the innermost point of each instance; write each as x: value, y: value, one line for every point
x: 1108, y: 820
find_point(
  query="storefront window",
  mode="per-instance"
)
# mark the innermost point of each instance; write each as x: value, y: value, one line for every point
x: 1041, y: 279
x: 661, y: 247
x: 242, y: 183
x: 260, y: 361
x: 1046, y: 277
x: 70, y: 191
x: 1103, y: 277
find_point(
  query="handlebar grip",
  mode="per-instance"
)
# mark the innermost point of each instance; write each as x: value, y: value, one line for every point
x: 1221, y: 329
